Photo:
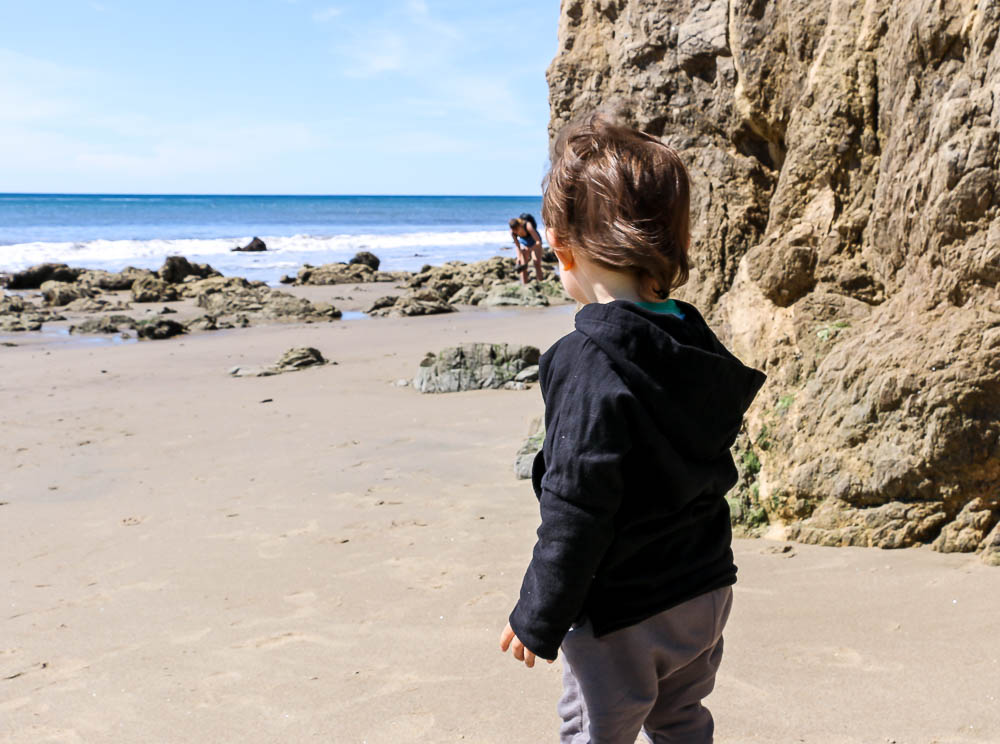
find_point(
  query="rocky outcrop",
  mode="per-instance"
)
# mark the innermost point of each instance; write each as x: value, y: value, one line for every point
x: 367, y: 258
x: 95, y: 305
x: 161, y: 328
x: 176, y: 269
x: 19, y: 314
x: 111, y: 281
x: 34, y: 277
x: 234, y: 296
x: 150, y: 288
x: 104, y: 324
x: 473, y: 367
x: 62, y: 293
x: 515, y: 293
x: 414, y: 302
x: 253, y: 246
x: 845, y: 161
x: 493, y: 281
x: 341, y: 273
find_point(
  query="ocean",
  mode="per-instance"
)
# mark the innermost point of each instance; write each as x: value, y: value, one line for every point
x: 114, y: 231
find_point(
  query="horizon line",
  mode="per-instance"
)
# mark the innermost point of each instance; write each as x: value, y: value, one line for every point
x: 291, y: 196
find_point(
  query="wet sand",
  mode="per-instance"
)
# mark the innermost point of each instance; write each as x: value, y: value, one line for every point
x: 325, y: 556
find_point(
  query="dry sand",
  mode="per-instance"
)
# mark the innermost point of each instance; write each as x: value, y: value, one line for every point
x: 185, y: 562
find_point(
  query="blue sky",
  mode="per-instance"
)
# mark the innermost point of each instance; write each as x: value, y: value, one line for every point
x: 275, y: 96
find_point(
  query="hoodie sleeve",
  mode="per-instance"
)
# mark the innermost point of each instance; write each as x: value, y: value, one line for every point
x: 587, y: 437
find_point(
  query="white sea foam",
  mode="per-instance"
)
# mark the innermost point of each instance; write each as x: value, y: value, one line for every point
x: 334, y: 248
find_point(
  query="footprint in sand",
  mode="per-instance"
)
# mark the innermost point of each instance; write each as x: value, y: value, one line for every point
x: 131, y: 521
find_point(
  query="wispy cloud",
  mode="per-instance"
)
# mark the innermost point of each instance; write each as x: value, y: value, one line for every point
x: 327, y: 14
x: 49, y: 128
x: 409, y: 41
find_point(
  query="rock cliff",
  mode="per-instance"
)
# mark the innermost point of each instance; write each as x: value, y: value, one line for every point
x: 846, y: 239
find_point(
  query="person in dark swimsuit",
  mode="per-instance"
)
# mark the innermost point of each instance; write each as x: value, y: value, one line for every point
x: 528, y: 244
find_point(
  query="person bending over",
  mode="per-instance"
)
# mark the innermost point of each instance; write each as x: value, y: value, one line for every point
x: 528, y: 244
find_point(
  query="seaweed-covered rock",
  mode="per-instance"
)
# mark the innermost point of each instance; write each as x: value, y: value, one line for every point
x: 19, y: 314
x: 244, y: 298
x: 473, y: 366
x: 198, y: 287
x: 19, y: 323
x: 176, y: 269
x: 58, y: 293
x: 341, y: 273
x: 204, y: 322
x: 153, y: 289
x: 475, y: 283
x: 86, y: 305
x: 514, y: 293
x: 34, y: 277
x: 468, y: 296
x: 160, y: 328
x: 112, y: 281
x: 415, y: 302
x: 104, y: 324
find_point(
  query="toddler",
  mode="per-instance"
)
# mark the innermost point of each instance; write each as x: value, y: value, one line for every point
x: 632, y: 571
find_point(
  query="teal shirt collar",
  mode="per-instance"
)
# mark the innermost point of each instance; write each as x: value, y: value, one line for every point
x: 668, y: 307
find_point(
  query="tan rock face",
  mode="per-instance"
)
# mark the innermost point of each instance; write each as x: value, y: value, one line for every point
x: 845, y: 161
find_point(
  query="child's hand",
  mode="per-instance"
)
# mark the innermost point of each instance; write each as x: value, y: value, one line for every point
x: 520, y: 652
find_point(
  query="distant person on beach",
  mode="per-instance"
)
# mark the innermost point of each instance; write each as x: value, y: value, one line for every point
x: 528, y: 244
x: 631, y: 574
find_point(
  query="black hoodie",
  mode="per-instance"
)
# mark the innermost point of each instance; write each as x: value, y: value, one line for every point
x: 641, y: 409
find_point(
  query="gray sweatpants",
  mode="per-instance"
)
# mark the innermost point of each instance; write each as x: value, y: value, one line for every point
x: 650, y: 676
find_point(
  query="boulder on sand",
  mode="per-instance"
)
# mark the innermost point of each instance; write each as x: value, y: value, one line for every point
x: 474, y: 366
x: 294, y: 359
x: 160, y: 328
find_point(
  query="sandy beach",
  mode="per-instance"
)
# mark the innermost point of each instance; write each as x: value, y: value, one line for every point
x: 327, y: 556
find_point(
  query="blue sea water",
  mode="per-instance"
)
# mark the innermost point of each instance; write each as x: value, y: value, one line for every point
x: 113, y: 231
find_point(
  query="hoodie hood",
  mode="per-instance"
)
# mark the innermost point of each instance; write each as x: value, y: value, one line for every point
x: 693, y: 388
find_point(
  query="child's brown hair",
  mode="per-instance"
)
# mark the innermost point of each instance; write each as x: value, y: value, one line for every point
x: 622, y: 199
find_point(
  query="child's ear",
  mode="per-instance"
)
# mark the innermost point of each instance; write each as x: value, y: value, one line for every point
x: 563, y: 252
x: 565, y: 256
